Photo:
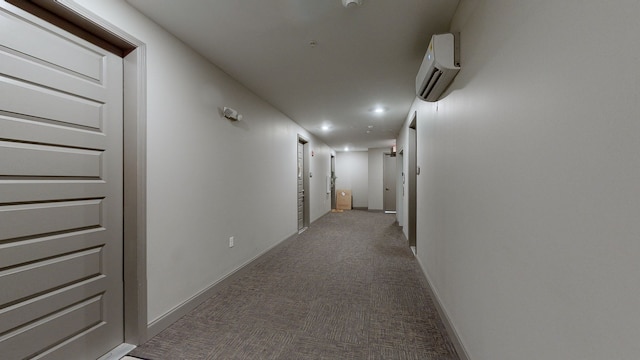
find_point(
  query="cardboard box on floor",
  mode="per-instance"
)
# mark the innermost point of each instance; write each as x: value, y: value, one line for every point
x: 343, y: 199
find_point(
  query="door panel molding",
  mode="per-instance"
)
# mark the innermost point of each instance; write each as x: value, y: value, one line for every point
x: 79, y: 21
x: 92, y: 324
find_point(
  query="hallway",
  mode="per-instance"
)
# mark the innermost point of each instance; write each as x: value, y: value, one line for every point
x: 347, y: 288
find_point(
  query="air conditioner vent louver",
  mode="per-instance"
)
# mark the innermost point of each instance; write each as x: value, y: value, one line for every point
x: 438, y: 68
x: 432, y: 80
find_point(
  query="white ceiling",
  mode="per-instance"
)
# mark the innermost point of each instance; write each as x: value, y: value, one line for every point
x: 365, y: 56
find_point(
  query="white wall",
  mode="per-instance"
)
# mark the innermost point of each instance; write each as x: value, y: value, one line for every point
x: 362, y: 172
x: 352, y: 171
x: 528, y: 198
x: 208, y: 178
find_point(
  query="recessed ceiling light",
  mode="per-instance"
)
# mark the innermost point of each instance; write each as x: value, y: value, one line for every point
x: 350, y: 3
x: 325, y: 127
x: 370, y: 126
x: 346, y: 148
x: 378, y: 109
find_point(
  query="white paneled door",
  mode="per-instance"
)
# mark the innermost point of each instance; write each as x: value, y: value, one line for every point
x: 61, y: 290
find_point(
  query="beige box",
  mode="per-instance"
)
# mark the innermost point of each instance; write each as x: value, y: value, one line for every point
x: 343, y: 199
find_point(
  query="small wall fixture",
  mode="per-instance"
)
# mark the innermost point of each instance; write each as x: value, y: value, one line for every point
x: 351, y: 3
x: 231, y: 114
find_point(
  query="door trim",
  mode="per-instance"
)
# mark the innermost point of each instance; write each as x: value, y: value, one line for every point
x: 134, y: 146
x: 61, y: 14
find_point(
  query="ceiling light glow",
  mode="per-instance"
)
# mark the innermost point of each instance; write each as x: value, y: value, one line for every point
x: 325, y: 127
x: 351, y: 3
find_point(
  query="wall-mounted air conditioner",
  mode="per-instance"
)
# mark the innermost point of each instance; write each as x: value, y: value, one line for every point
x: 440, y: 65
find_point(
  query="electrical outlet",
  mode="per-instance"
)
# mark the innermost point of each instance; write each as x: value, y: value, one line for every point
x: 231, y: 242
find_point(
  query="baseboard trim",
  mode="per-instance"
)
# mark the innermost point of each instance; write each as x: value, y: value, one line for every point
x: 455, y: 337
x: 118, y: 352
x: 173, y: 315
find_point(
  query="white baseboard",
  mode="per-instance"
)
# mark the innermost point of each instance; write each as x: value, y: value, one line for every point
x: 173, y: 315
x: 444, y: 315
x: 117, y: 353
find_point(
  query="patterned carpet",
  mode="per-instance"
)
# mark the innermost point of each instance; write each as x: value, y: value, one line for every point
x: 347, y: 288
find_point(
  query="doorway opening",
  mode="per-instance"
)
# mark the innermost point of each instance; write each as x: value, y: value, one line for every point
x: 389, y: 183
x: 400, y: 185
x: 412, y: 179
x: 303, y: 183
x: 333, y: 182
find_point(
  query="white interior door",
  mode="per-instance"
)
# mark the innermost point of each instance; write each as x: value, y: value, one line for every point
x: 389, y: 183
x: 61, y: 291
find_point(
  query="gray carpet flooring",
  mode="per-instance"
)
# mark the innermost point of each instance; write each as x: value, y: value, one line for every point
x: 347, y: 288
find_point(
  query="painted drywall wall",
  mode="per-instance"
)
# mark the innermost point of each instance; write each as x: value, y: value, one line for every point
x: 209, y: 178
x: 352, y: 171
x: 528, y: 198
x: 362, y: 172
x: 376, y: 186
